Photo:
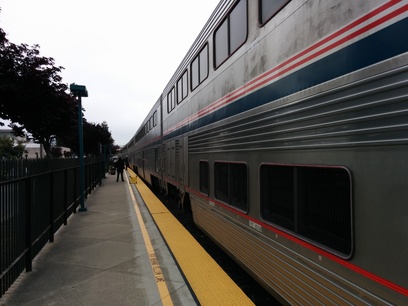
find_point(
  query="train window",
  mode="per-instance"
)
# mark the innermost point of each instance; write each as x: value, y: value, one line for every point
x: 277, y: 195
x: 221, y: 44
x: 171, y: 102
x: 204, y: 64
x: 150, y: 122
x: 238, y: 186
x: 238, y: 26
x: 140, y: 134
x: 204, y: 177
x: 199, y: 68
x: 155, y: 118
x: 182, y: 87
x: 231, y: 184
x: 313, y: 202
x: 231, y: 33
x: 185, y: 85
x: 221, y: 181
x: 269, y: 8
x: 194, y: 73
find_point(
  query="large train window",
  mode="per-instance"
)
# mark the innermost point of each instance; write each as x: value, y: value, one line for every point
x: 154, y: 118
x: 171, y: 100
x: 231, y: 184
x: 199, y: 68
x: 182, y: 87
x: 313, y: 202
x: 140, y: 134
x: 231, y: 33
x: 269, y: 8
x: 151, y: 123
x: 204, y: 177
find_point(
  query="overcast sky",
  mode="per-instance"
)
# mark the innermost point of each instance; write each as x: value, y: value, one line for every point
x: 123, y: 51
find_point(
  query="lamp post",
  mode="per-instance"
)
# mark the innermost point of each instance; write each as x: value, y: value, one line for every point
x: 80, y: 91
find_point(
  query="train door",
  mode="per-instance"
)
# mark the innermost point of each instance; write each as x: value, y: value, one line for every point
x: 170, y: 158
x: 177, y: 160
x: 181, y: 155
x: 143, y: 164
x: 156, y: 160
x: 162, y: 160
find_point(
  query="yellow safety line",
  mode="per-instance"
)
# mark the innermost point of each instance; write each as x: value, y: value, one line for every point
x: 157, y: 272
x: 211, y: 285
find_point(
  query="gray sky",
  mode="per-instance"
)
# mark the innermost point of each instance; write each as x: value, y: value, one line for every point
x: 123, y: 51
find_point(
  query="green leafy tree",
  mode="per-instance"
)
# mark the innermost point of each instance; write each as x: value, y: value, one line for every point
x: 96, y: 136
x: 32, y: 95
x: 35, y: 100
x: 8, y: 150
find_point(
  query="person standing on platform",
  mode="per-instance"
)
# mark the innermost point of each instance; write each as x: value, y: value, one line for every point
x: 126, y: 162
x: 119, y: 168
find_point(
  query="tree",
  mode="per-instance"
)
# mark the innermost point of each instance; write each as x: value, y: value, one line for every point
x: 8, y: 150
x: 32, y: 96
x: 96, y: 136
x: 56, y: 152
x: 115, y: 149
x: 35, y: 100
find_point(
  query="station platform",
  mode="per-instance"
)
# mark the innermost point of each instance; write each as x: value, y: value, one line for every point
x: 126, y: 249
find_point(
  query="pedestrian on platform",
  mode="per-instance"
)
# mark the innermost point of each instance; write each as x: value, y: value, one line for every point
x: 119, y: 165
x: 126, y: 162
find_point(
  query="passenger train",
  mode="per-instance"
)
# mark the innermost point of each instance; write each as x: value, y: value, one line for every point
x: 285, y: 131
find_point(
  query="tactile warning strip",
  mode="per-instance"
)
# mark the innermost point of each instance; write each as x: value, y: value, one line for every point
x: 211, y: 285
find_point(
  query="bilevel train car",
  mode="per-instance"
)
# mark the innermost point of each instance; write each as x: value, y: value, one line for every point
x: 285, y: 129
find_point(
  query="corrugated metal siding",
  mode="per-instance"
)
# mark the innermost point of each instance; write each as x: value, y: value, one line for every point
x: 290, y: 275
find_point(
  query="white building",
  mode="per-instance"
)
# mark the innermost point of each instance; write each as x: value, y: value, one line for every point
x: 7, y: 133
x: 32, y: 150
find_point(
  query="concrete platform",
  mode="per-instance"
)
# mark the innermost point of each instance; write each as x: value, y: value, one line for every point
x: 100, y: 258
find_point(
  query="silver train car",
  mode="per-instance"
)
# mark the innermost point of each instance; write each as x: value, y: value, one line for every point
x: 285, y: 130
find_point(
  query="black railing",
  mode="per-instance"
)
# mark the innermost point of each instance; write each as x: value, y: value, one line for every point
x: 36, y: 199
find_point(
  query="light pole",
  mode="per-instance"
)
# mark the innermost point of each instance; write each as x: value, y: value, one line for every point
x: 80, y: 91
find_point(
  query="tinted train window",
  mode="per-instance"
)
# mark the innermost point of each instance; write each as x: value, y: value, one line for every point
x: 204, y: 177
x: 314, y: 202
x: 204, y: 64
x: 221, y: 177
x: 269, y: 8
x: 171, y: 102
x: 182, y: 87
x: 199, y: 68
x: 150, y: 123
x: 155, y: 118
x: 231, y: 184
x: 238, y: 186
x: 277, y: 195
x: 140, y: 135
x: 221, y: 44
x: 231, y: 33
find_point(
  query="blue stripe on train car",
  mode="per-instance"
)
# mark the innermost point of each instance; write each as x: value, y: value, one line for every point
x: 387, y: 43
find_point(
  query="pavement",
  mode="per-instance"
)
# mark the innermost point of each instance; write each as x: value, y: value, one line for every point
x: 101, y: 258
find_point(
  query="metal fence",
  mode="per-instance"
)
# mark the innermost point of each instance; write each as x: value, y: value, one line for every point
x: 36, y: 199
